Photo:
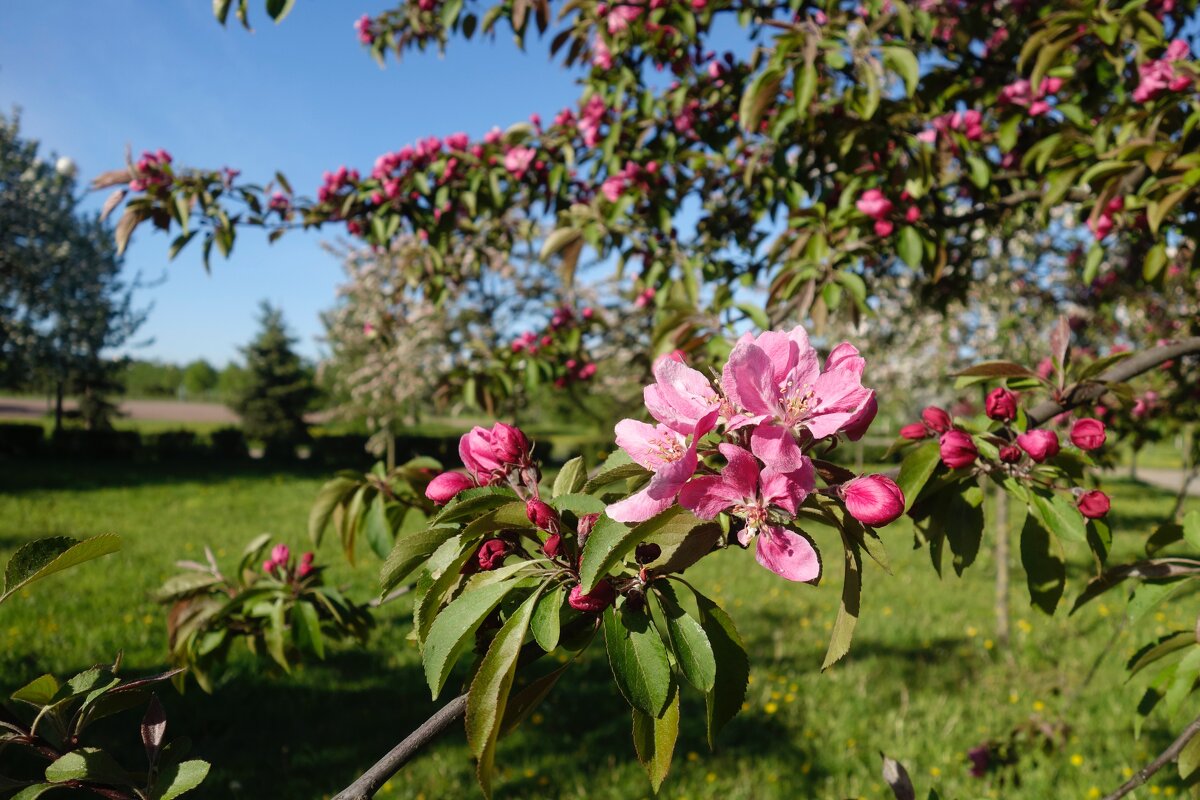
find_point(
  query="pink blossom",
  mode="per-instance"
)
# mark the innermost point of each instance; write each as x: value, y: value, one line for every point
x: 874, y: 204
x: 280, y: 554
x: 590, y: 118
x: 489, y: 454
x: 306, y: 565
x: 1010, y: 454
x: 750, y: 494
x: 777, y: 381
x: 884, y: 227
x: 601, y: 55
x: 491, y: 554
x: 595, y: 601
x: 937, y: 419
x: 957, y: 449
x: 541, y: 514
x: 1039, y: 443
x: 612, y: 188
x: 518, y: 159
x: 665, y: 452
x: 1094, y: 504
x: 873, y: 500
x: 914, y: 431
x: 445, y: 487
x: 362, y: 26
x: 1001, y: 404
x: 619, y: 18
x: 1160, y: 76
x: 1088, y: 433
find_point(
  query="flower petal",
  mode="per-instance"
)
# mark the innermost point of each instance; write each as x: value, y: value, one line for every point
x: 787, y: 490
x: 748, y: 382
x: 788, y: 554
x: 777, y: 448
x: 706, y: 496
x: 644, y: 443
x: 741, y: 473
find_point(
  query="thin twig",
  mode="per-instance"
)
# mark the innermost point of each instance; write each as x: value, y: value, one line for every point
x: 365, y: 787
x: 1167, y: 756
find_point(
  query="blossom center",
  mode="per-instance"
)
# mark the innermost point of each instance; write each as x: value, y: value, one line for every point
x: 667, y: 447
x: 798, y: 401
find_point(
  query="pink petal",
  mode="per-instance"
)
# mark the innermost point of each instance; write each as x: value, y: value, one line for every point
x: 857, y: 425
x: 680, y: 397
x: 788, y: 554
x: 845, y: 356
x: 777, y: 448
x: 706, y: 496
x: 787, y: 490
x: 748, y: 379
x: 638, y: 507
x: 781, y: 349
x: 741, y: 473
x: 644, y: 442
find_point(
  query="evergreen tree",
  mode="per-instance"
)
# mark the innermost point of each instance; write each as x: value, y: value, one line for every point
x: 278, y: 387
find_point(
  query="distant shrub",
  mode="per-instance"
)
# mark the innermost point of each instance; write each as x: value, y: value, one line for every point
x: 21, y: 438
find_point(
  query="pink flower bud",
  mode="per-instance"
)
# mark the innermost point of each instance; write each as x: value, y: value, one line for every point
x: 1093, y: 504
x: 584, y: 528
x: 873, y: 499
x: 541, y: 514
x: 1041, y: 444
x: 594, y: 601
x: 510, y: 444
x: 280, y: 554
x: 445, y: 487
x: 268, y: 566
x: 1001, y: 404
x: 916, y: 430
x: 937, y: 419
x: 1088, y: 433
x: 1010, y: 454
x: 553, y: 545
x: 491, y: 554
x: 957, y: 449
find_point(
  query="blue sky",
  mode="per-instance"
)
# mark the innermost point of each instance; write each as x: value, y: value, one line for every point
x: 94, y: 77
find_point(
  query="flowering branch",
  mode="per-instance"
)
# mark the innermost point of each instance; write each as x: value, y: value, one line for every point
x: 1166, y: 757
x: 1131, y: 367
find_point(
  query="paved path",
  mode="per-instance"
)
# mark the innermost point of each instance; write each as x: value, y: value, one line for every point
x: 167, y: 410
x: 1169, y: 479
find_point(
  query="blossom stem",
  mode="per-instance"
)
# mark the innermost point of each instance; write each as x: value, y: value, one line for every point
x: 1164, y: 758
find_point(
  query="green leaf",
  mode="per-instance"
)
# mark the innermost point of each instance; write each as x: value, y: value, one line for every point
x: 910, y: 247
x: 725, y: 699
x: 848, y: 609
x: 611, y: 475
x: 571, y: 478
x: 221, y: 10
x: 44, y: 557
x: 760, y: 95
x: 453, y: 631
x: 178, y: 779
x: 546, y: 624
x: 902, y: 61
x: 654, y: 740
x: 559, y: 240
x: 1045, y: 571
x: 996, y: 369
x: 274, y: 635
x: 611, y: 541
x: 33, y: 792
x: 488, y: 695
x: 1146, y: 596
x: 39, y: 691
x: 448, y: 571
x: 408, y: 553
x: 916, y: 469
x: 1154, y: 262
x: 1158, y: 649
x: 306, y: 626
x: 522, y: 702
x: 471, y: 502
x: 638, y: 659
x: 1059, y: 516
x: 1191, y: 528
x: 1189, y: 758
x: 278, y: 9
x: 378, y: 529
x: 578, y: 504
x: 88, y: 764
x: 689, y: 643
x: 756, y: 314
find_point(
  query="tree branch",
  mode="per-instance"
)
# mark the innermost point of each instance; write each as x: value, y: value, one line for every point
x: 1094, y: 389
x: 365, y: 787
x: 1167, y: 756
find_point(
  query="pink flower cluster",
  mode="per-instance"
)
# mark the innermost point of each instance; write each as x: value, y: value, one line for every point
x: 333, y: 183
x: 151, y: 170
x: 875, y: 204
x: 279, y: 563
x: 772, y: 403
x: 1102, y: 224
x: 362, y: 26
x: 1162, y: 75
x: 574, y: 365
x: 969, y: 123
x: 591, y: 117
x: 632, y: 176
x: 1021, y: 93
x: 490, y: 456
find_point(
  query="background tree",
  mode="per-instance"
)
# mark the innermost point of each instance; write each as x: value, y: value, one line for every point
x: 63, y: 302
x: 278, y: 389
x: 199, y: 379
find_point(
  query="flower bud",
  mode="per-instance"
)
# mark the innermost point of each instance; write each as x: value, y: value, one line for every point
x: 268, y: 566
x: 1041, y: 444
x: 957, y: 449
x: 646, y: 552
x: 541, y: 514
x: 1001, y: 404
x: 916, y: 430
x: 510, y: 444
x: 445, y: 487
x: 1088, y: 433
x: 1093, y: 504
x: 553, y: 545
x: 594, y: 601
x: 280, y: 554
x: 873, y: 499
x: 584, y: 528
x: 491, y: 554
x: 937, y: 419
x: 1010, y: 454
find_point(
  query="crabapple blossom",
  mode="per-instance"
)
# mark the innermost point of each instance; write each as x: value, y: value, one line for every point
x: 1088, y: 433
x: 1001, y: 404
x: 1040, y: 444
x: 445, y: 487
x: 1094, y: 504
x: 957, y: 449
x: 873, y: 499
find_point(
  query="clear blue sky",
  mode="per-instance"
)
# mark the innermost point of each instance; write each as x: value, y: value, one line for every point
x: 93, y: 77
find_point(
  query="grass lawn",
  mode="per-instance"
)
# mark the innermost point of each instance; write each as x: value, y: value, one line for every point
x: 923, y: 682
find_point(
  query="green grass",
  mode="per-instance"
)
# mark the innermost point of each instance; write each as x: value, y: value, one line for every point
x: 923, y: 681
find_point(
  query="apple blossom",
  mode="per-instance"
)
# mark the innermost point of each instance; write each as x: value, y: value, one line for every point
x: 873, y: 499
x: 957, y: 449
x: 937, y: 419
x: 445, y: 487
x: 1040, y: 444
x: 1094, y: 504
x: 1088, y: 434
x: 1001, y: 404
x: 595, y: 601
x: 491, y: 554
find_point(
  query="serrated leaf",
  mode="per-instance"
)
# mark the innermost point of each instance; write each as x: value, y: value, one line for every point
x: 1059, y: 516
x: 916, y: 469
x: 39, y: 692
x: 638, y: 659
x: 306, y: 626
x: 1189, y: 758
x: 1191, y: 528
x: 848, y: 608
x: 488, y: 695
x: 330, y: 495
x: 408, y: 553
x: 611, y: 475
x: 1045, y: 571
x: 654, y: 740
x: 377, y: 528
x: 546, y: 624
x: 689, y: 643
x: 571, y: 478
x: 725, y: 699
x: 87, y: 764
x: 178, y: 779
x: 471, y: 502
x: 44, y: 557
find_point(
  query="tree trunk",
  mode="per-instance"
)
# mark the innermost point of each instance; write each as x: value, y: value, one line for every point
x: 391, y: 449
x: 58, y: 406
x: 1003, y: 536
